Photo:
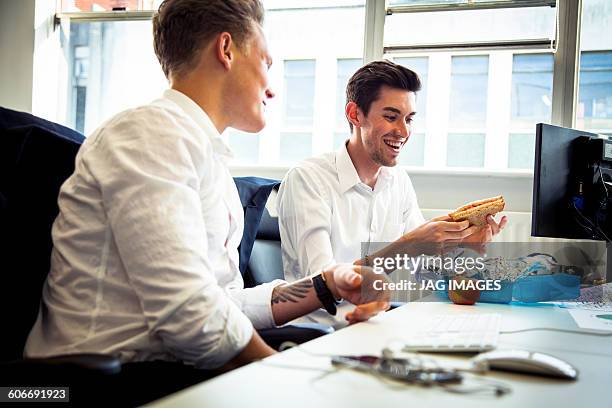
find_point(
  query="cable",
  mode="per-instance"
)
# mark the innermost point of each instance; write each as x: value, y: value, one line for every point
x: 556, y: 330
x: 479, y: 385
x: 498, y: 388
x: 603, y: 182
x: 593, y: 229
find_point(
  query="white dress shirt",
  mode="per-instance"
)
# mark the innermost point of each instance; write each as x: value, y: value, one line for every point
x: 326, y: 214
x: 145, y: 259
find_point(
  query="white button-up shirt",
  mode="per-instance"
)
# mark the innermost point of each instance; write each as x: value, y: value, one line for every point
x: 145, y: 259
x: 326, y: 214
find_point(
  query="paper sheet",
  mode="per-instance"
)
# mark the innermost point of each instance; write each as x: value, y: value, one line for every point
x: 600, y: 307
x: 592, y: 319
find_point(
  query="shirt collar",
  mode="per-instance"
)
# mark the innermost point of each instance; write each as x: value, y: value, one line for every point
x: 195, y: 112
x: 347, y: 173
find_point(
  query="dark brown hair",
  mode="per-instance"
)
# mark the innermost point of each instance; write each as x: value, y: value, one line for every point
x: 182, y: 27
x: 364, y: 86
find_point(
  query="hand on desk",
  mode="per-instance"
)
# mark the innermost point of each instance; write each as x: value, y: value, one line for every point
x: 355, y: 284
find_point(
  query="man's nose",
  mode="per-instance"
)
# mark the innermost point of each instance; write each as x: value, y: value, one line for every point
x: 403, y: 129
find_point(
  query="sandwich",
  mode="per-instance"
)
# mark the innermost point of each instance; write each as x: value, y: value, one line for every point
x: 476, y: 212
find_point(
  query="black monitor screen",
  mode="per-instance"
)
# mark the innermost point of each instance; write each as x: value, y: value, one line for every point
x: 555, y: 182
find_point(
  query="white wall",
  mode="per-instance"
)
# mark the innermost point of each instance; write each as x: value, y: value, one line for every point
x: 32, y: 66
x: 16, y: 53
x: 49, y: 77
x: 445, y: 189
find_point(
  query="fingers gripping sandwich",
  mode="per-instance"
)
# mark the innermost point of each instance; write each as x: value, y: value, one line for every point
x: 476, y: 212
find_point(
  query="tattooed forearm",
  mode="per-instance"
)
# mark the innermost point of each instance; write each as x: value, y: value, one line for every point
x: 291, y: 292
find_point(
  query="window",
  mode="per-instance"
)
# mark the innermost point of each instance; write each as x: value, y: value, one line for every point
x: 532, y: 80
x: 468, y: 110
x: 346, y: 69
x: 295, y: 147
x: 413, y: 152
x: 108, y: 5
x: 481, y: 77
x: 594, y: 104
x: 298, y: 92
x: 308, y: 73
x: 521, y: 147
x: 465, y: 26
x: 468, y: 107
x: 244, y: 145
x: 113, y: 68
x: 420, y: 65
x: 465, y: 150
x: 487, y: 74
x: 594, y: 110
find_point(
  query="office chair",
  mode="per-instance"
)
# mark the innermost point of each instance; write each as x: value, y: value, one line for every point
x: 34, y: 162
x: 260, y: 255
x: 265, y: 261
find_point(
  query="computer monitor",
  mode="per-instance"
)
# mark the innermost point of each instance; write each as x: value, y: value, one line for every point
x: 572, y: 180
x: 556, y: 181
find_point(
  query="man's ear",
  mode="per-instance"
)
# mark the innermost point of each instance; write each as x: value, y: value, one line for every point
x: 224, y: 49
x: 352, y: 113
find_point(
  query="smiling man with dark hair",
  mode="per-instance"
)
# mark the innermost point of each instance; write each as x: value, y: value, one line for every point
x: 332, y: 204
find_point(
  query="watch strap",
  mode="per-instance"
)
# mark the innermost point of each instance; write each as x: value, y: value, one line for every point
x: 324, y: 295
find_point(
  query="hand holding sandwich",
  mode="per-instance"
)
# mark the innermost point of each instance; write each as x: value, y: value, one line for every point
x: 440, y: 230
x: 472, y: 223
x: 480, y: 213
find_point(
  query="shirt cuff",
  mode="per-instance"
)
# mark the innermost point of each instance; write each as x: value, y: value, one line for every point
x: 256, y: 303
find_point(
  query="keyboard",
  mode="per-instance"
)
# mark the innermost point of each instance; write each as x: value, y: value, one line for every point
x: 457, y: 333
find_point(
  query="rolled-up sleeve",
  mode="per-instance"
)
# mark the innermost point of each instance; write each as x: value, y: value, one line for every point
x: 256, y: 302
x: 305, y: 224
x: 150, y: 182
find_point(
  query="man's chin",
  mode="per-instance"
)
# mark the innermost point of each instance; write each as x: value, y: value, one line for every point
x: 385, y: 161
x: 251, y: 127
x: 391, y: 162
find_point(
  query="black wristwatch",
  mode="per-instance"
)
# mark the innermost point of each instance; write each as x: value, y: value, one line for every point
x: 324, y: 294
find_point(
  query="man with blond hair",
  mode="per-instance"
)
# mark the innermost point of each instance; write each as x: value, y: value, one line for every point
x: 145, y: 260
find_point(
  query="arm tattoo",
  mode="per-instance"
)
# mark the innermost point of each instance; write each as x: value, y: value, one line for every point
x: 291, y: 292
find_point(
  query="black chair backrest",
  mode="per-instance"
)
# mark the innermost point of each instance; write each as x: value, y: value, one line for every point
x: 34, y: 163
x: 266, y: 263
x: 254, y: 193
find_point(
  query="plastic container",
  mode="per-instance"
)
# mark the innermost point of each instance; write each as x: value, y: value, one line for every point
x: 545, y: 288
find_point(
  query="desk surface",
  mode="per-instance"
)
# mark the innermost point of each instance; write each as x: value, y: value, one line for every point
x: 295, y: 378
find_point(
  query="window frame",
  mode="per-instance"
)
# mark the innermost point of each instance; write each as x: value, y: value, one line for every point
x: 566, y: 52
x: 566, y: 57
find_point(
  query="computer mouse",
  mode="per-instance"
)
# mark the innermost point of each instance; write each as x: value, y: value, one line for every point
x: 524, y: 361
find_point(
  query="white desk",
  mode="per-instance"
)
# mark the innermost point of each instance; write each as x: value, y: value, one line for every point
x: 294, y: 378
